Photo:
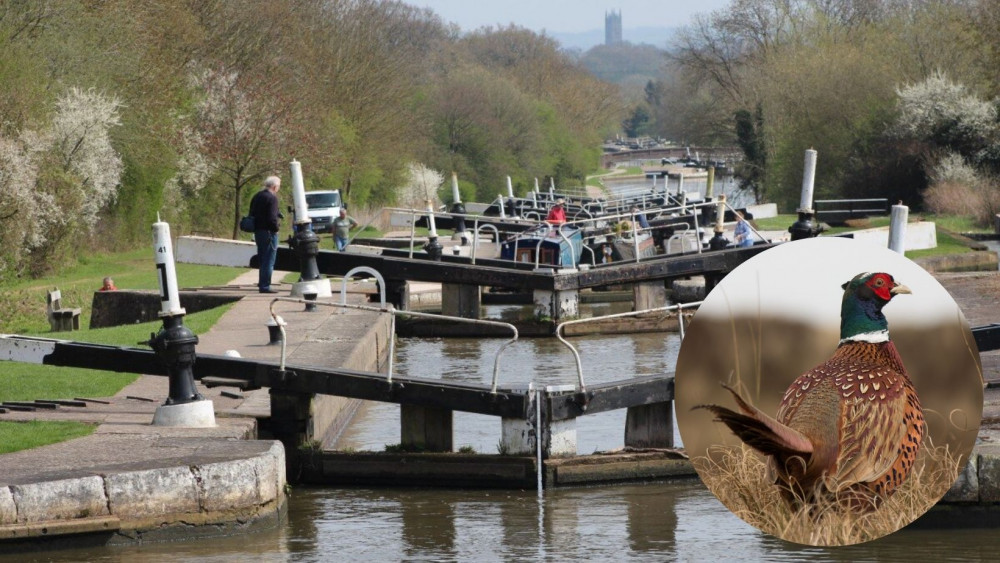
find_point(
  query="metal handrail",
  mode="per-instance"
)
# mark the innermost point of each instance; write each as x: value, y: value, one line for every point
x: 394, y: 312
x: 475, y: 237
x: 576, y: 355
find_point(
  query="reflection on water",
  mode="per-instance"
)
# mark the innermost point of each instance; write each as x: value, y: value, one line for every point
x: 544, y: 361
x: 652, y: 522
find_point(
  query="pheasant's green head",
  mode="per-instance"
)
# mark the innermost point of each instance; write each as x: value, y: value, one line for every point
x: 861, y: 317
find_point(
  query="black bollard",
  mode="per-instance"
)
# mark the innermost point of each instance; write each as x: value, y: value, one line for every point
x: 459, y: 209
x: 175, y: 346
x: 307, y: 247
x: 310, y: 298
x: 805, y: 227
x: 718, y: 242
x: 434, y: 249
x: 274, y: 330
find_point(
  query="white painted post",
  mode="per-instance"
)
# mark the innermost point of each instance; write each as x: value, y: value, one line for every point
x: 503, y: 214
x: 536, y: 185
x: 897, y: 228
x: 510, y: 188
x: 430, y: 219
x: 808, y: 182
x: 720, y: 215
x: 163, y: 252
x: 710, y: 183
x: 457, y: 197
x: 552, y: 185
x: 680, y: 184
x: 299, y: 194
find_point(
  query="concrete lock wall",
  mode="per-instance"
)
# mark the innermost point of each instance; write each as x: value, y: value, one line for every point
x: 158, y: 503
x: 330, y: 415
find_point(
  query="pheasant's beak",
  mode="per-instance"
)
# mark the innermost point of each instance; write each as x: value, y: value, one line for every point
x: 898, y: 289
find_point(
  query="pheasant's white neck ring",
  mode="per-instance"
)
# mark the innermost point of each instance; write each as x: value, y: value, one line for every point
x: 874, y: 337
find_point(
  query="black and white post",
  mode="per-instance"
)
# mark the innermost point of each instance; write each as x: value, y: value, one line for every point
x: 806, y: 227
x: 433, y: 248
x: 175, y: 345
x: 458, y: 208
x: 306, y: 243
x: 719, y: 241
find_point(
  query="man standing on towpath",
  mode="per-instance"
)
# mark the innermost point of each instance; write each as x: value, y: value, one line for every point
x: 342, y: 229
x: 264, y: 209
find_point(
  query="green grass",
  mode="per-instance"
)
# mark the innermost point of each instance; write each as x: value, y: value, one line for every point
x: 956, y: 224
x: 946, y: 243
x: 27, y: 382
x: 23, y: 301
x: 777, y: 223
x: 16, y: 436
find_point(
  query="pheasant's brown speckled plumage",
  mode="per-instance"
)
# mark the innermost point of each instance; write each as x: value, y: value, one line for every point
x: 852, y: 426
x: 863, y: 417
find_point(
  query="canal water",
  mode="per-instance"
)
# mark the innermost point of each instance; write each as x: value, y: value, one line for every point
x: 661, y: 521
x: 544, y: 361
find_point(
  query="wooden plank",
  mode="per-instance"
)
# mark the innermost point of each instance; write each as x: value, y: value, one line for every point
x: 298, y: 379
x: 612, y: 396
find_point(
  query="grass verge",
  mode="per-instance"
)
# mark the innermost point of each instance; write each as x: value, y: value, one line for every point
x: 16, y: 436
x: 946, y: 242
x: 27, y: 382
x: 23, y: 301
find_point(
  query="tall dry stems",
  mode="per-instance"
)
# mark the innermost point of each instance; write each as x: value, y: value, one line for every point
x: 737, y: 475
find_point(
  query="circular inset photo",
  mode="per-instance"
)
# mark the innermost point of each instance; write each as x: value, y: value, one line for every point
x: 828, y: 391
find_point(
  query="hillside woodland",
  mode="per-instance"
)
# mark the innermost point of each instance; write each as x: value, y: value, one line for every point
x: 112, y: 111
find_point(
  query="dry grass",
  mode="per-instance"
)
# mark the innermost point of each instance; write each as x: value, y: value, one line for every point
x: 737, y: 475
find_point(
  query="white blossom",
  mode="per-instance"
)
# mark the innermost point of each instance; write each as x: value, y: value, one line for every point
x: 952, y: 168
x: 80, y: 133
x: 21, y: 206
x: 937, y: 102
x: 422, y: 184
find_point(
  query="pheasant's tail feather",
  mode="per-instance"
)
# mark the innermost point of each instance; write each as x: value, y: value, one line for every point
x: 762, y: 433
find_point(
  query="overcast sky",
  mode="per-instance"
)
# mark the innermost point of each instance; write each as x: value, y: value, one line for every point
x: 562, y: 16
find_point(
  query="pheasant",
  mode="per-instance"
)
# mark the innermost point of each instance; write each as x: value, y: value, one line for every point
x: 851, y: 427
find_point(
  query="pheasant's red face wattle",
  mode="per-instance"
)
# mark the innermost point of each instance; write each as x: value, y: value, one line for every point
x: 882, y: 285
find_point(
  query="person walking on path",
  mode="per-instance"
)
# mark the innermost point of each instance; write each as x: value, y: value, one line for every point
x: 264, y: 209
x: 342, y: 229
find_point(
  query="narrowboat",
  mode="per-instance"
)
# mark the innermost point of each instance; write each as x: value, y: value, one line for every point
x: 545, y: 245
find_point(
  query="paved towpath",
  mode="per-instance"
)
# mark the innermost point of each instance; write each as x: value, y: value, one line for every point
x: 131, y: 471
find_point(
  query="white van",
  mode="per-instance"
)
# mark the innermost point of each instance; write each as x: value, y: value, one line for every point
x: 324, y: 207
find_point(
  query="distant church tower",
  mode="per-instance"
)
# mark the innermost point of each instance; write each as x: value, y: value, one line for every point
x: 613, y: 28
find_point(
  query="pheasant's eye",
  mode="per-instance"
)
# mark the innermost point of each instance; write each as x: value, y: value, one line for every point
x: 879, y: 282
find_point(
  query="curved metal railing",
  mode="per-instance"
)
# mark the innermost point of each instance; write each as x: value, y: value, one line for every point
x: 576, y: 355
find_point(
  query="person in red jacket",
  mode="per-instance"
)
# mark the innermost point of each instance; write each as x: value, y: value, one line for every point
x: 557, y: 215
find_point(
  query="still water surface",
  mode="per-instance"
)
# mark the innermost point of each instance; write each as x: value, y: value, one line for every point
x: 544, y: 361
x: 676, y: 521
x: 666, y: 521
